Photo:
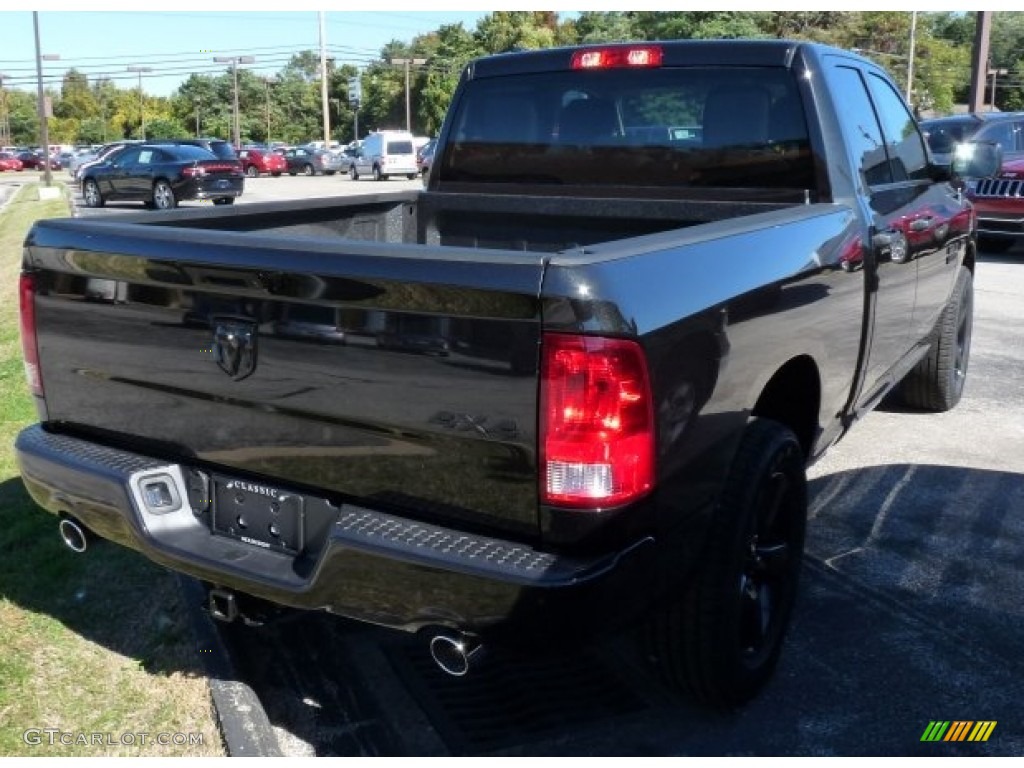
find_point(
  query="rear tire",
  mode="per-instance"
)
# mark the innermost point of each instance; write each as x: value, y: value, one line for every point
x: 721, y: 639
x: 937, y: 382
x: 353, y: 173
x: 308, y: 170
x: 163, y: 196
x: 91, y: 194
x: 252, y: 172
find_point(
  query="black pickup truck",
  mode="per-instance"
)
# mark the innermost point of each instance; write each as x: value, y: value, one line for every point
x: 571, y: 385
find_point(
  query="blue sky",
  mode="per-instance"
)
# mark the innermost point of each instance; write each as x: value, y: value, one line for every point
x: 176, y: 44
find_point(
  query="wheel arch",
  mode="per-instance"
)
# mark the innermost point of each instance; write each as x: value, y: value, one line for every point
x: 792, y: 396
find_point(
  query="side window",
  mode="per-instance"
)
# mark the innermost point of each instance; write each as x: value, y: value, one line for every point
x: 860, y: 125
x: 907, y: 156
x: 1001, y: 133
x: 128, y: 158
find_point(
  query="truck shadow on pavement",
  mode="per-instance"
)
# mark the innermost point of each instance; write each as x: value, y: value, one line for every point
x: 911, y: 611
x: 109, y: 595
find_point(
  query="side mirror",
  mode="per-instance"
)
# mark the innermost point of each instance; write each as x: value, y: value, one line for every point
x: 977, y: 159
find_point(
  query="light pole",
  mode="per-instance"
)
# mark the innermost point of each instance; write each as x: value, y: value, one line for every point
x: 196, y: 102
x: 910, y: 57
x: 142, y: 99
x: 408, y: 109
x: 996, y: 73
x: 234, y: 61
x: 268, y: 81
x: 5, y: 120
x: 44, y: 128
x: 355, y: 98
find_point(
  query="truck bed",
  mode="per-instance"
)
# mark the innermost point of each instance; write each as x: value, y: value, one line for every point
x: 397, y: 338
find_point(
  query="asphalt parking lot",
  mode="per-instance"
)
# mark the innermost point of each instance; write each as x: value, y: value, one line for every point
x: 911, y: 608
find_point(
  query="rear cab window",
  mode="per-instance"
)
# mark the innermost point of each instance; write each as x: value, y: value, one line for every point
x: 679, y: 127
x: 398, y: 148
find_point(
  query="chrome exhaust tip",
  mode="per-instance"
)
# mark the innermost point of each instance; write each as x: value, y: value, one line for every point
x: 456, y: 654
x: 74, y: 535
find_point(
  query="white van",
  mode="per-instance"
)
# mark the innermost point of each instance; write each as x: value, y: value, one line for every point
x: 383, y: 154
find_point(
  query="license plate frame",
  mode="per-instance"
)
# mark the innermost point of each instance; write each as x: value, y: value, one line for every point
x: 260, y: 515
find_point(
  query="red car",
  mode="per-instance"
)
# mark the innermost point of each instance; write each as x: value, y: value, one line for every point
x: 9, y: 162
x: 999, y: 205
x: 256, y: 161
x: 32, y: 161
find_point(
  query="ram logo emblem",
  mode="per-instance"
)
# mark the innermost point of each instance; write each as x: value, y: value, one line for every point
x: 234, y: 347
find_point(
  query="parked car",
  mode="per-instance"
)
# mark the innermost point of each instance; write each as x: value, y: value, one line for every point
x: 425, y: 156
x: 999, y: 200
x: 100, y: 154
x: 312, y: 162
x: 999, y: 206
x: 33, y: 161
x: 161, y: 175
x: 256, y: 160
x: 10, y: 162
x: 384, y: 154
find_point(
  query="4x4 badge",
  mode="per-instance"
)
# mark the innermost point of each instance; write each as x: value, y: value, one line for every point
x: 234, y: 347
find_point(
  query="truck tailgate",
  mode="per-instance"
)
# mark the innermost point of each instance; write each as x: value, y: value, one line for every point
x: 401, y: 374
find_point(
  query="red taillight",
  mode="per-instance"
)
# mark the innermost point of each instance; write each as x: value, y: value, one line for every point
x: 618, y: 56
x: 597, y: 422
x: 193, y: 171
x: 29, y: 342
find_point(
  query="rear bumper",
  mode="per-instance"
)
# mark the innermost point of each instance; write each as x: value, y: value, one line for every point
x: 210, y: 189
x: 371, y: 566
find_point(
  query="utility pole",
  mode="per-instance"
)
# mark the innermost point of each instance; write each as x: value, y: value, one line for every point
x: 408, y: 106
x: 235, y: 61
x: 141, y: 98
x: 323, y: 80
x: 979, y: 60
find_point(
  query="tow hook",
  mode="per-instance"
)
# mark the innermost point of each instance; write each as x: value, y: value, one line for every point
x: 222, y: 605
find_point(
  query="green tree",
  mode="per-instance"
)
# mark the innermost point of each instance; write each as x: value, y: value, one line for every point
x: 165, y: 128
x: 504, y: 31
x: 76, y: 99
x: 605, y: 27
x: 455, y: 48
x: 657, y: 25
